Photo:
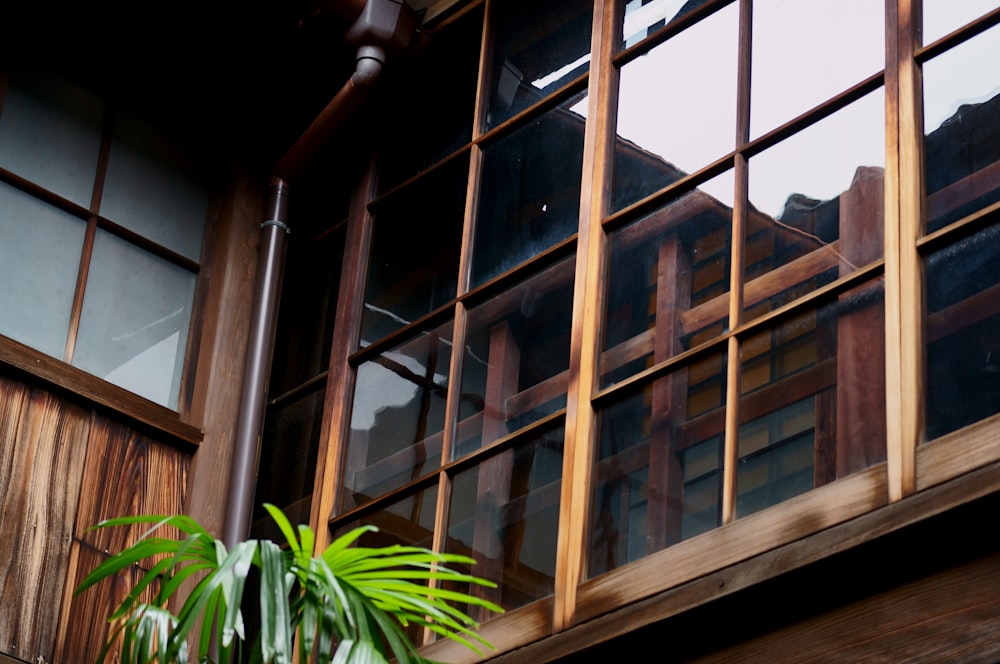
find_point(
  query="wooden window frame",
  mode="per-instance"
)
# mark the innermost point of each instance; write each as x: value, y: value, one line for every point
x: 58, y: 372
x: 904, y: 483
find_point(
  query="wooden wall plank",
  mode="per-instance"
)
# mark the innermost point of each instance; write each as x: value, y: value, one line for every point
x: 87, y: 629
x: 127, y: 473
x: 42, y: 449
x: 222, y: 342
x: 951, y: 616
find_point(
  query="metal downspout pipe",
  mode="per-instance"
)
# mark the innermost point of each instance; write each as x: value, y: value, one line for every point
x: 263, y: 324
x: 383, y: 25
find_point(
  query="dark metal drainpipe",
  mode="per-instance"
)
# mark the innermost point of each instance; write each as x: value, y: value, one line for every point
x: 383, y: 25
x: 246, y: 451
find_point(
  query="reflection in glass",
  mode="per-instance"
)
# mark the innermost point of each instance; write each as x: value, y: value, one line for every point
x: 398, y: 417
x: 530, y: 194
x: 943, y: 16
x: 817, y: 206
x: 801, y: 54
x: 50, y: 134
x: 40, y: 250
x: 658, y: 475
x: 668, y: 281
x: 962, y: 331
x: 539, y: 47
x: 154, y: 189
x: 812, y: 405
x: 134, y: 325
x: 504, y: 513
x: 430, y: 130
x: 516, y: 361
x: 414, y: 257
x: 962, y: 144
x: 676, y: 108
x: 308, y: 308
x: 288, y: 450
x: 644, y: 17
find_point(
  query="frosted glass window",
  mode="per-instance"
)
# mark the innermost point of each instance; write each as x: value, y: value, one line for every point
x: 134, y: 326
x: 39, y: 260
x: 150, y: 189
x: 50, y: 133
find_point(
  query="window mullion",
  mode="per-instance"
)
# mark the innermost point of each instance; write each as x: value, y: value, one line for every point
x: 341, y: 376
x: 587, y: 311
x: 88, y: 241
x: 904, y: 196
x: 740, y: 198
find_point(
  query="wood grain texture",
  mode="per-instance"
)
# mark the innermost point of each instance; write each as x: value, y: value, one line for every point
x: 42, y: 447
x: 230, y: 274
x: 740, y: 540
x: 127, y: 473
x: 18, y: 359
x: 86, y: 622
x: 952, y: 616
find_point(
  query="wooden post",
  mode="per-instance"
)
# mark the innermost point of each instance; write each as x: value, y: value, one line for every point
x: 669, y: 406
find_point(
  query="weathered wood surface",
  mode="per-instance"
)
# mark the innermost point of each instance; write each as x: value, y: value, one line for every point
x: 949, y: 617
x: 127, y: 473
x: 43, y: 441
x: 85, y: 629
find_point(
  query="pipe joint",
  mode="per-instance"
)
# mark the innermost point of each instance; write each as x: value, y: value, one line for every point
x: 369, y: 66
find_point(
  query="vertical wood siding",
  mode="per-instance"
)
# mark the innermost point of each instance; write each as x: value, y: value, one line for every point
x: 63, y: 468
x: 42, y: 448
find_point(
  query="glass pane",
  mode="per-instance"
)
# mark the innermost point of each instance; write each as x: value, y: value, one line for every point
x: 668, y: 281
x: 962, y: 144
x: 944, y: 16
x: 398, y: 417
x: 539, y: 47
x: 40, y: 249
x: 308, y: 308
x: 414, y: 257
x: 962, y: 331
x: 644, y: 17
x: 676, y: 108
x: 807, y: 51
x: 812, y: 399
x: 430, y: 131
x: 155, y: 189
x: 514, y: 370
x: 134, y: 325
x: 288, y: 452
x: 50, y: 133
x: 530, y: 194
x: 817, y: 206
x: 658, y: 475
x: 504, y: 513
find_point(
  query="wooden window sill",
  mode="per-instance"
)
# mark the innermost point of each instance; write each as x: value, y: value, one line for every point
x: 16, y: 358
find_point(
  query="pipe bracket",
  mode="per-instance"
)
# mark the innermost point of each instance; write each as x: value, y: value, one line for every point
x: 279, y: 224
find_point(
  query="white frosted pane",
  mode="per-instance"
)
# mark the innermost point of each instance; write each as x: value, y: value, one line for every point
x: 154, y: 190
x: 39, y: 259
x: 134, y: 326
x: 50, y: 133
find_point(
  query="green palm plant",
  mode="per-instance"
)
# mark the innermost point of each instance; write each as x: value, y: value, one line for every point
x: 347, y: 605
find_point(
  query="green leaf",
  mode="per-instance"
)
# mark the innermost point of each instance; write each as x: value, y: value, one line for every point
x: 276, y: 637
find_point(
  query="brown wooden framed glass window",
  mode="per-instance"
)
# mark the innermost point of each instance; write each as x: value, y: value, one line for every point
x: 685, y: 260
